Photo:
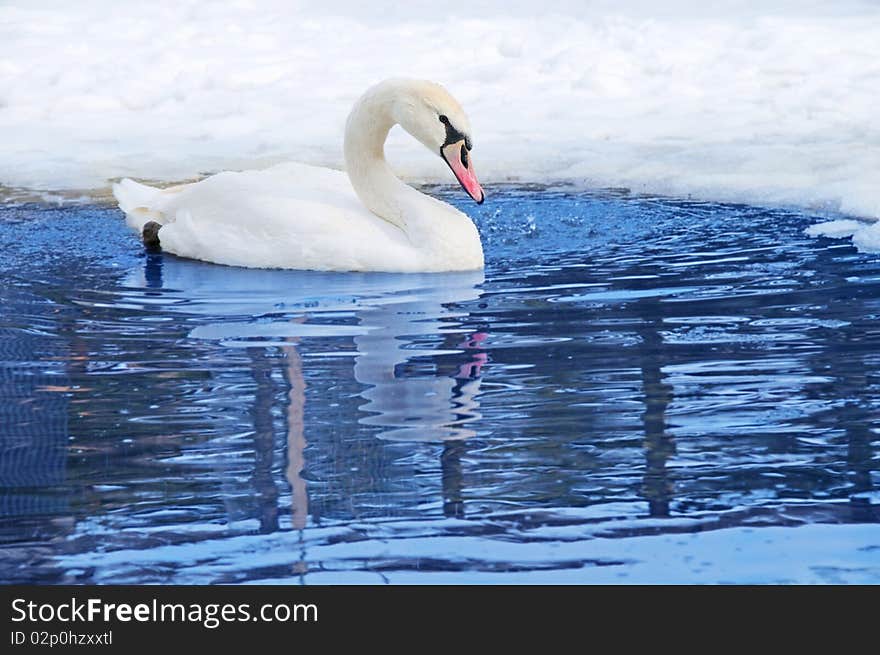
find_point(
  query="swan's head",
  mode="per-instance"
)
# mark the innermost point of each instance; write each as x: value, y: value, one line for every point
x: 428, y: 112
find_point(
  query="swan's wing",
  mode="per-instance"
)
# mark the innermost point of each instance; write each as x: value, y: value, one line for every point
x: 287, y: 216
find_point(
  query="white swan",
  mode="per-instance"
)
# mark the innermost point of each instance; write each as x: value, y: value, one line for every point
x: 305, y: 217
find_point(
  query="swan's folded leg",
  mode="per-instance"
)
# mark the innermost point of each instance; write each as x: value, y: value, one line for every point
x: 144, y: 209
x: 150, y: 236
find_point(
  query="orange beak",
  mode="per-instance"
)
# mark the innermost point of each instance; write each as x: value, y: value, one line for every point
x: 458, y: 157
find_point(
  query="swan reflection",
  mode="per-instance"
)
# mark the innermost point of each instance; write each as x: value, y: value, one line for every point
x: 425, y: 407
x: 420, y: 369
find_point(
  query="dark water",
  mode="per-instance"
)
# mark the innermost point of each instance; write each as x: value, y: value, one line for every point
x: 636, y: 390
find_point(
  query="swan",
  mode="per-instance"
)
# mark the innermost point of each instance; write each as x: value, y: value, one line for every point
x: 297, y: 216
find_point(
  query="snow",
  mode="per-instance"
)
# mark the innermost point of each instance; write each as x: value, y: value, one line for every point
x: 836, y: 229
x: 763, y: 102
x: 865, y: 235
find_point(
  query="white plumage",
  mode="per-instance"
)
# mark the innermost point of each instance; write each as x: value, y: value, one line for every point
x: 305, y: 217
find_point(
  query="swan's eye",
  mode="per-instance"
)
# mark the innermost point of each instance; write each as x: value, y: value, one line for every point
x: 464, y: 157
x: 444, y: 119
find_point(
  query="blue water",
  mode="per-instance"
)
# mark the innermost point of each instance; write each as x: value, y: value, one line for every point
x: 636, y: 389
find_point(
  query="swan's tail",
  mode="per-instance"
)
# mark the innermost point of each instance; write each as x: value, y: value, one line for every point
x: 139, y: 202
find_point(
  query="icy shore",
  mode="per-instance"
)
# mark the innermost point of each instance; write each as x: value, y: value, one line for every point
x: 758, y: 102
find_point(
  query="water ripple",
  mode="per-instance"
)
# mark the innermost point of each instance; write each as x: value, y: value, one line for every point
x: 636, y: 389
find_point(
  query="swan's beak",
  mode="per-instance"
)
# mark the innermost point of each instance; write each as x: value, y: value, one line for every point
x: 459, y: 159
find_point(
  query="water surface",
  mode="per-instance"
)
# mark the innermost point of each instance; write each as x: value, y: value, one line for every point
x: 636, y: 389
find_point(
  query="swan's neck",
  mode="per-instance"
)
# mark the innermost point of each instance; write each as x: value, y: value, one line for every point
x: 365, y: 132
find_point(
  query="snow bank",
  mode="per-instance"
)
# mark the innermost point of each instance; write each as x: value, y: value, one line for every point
x: 865, y: 235
x: 770, y: 102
